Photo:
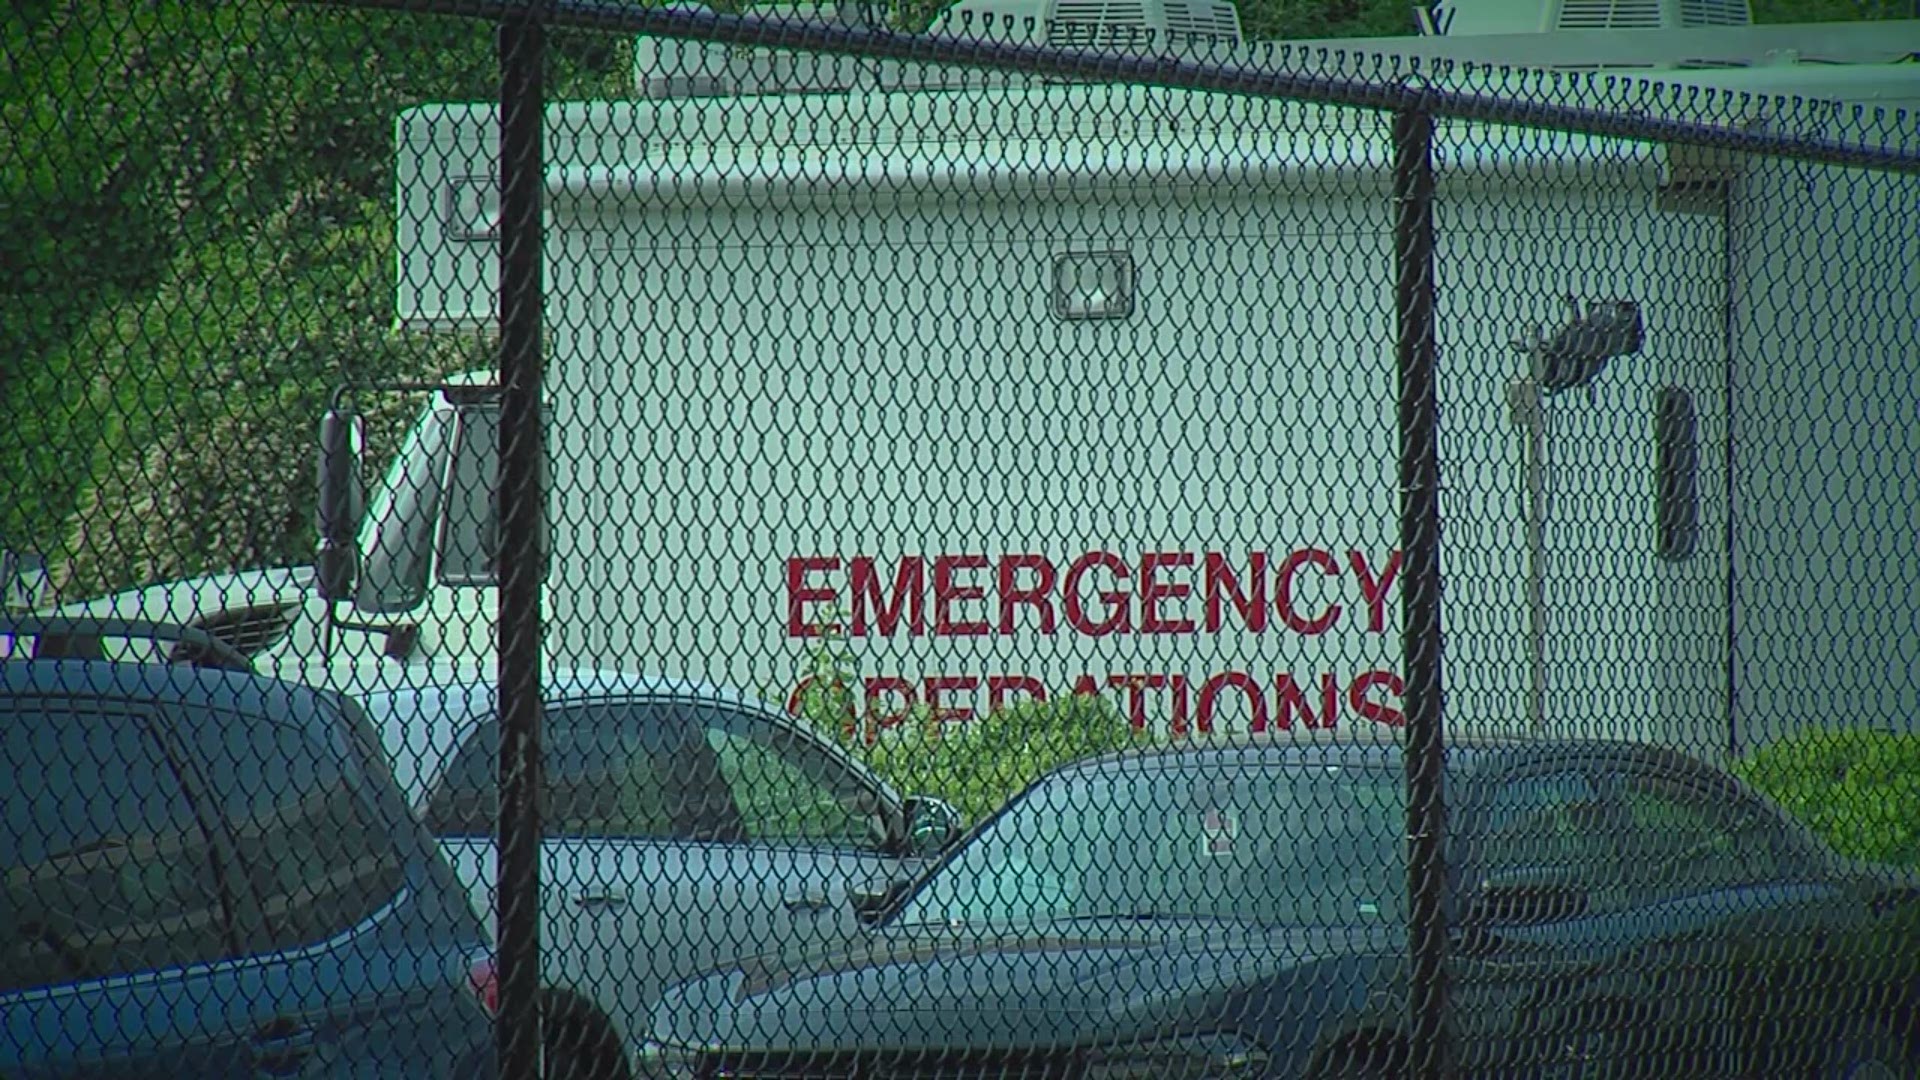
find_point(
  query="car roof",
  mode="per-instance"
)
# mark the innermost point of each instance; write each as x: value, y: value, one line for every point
x: 175, y: 684
x: 1381, y: 746
x: 557, y: 684
x: 424, y: 715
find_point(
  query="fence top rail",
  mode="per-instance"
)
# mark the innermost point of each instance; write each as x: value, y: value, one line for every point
x: 1533, y: 99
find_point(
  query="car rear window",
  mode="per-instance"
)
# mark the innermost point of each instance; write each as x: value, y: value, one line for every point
x: 317, y: 856
x: 104, y: 869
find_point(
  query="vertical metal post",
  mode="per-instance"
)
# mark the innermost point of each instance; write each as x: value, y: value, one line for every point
x: 1730, y: 222
x: 522, y: 169
x: 1420, y: 547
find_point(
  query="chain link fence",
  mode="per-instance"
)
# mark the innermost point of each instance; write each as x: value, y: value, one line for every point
x: 587, y: 540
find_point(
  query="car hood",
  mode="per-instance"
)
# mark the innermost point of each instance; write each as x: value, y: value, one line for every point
x: 1039, y: 985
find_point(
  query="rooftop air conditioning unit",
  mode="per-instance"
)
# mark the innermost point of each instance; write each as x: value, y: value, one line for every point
x: 1119, y: 25
x: 1458, y: 18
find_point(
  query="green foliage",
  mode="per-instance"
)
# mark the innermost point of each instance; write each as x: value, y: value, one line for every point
x: 1858, y: 789
x: 977, y: 765
x: 196, y: 221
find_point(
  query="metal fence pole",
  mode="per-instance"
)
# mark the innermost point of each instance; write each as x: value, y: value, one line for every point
x: 1420, y: 547
x: 522, y: 168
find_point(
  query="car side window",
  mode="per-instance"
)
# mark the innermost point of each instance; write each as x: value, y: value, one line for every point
x: 317, y: 856
x: 788, y: 789
x: 623, y: 770
x: 1688, y: 838
x: 1555, y: 824
x: 106, y: 870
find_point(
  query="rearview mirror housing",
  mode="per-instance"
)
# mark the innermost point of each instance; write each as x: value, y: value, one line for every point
x: 337, y: 519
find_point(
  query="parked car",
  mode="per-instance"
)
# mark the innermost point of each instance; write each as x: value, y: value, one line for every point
x: 683, y: 827
x: 206, y: 872
x: 1239, y: 911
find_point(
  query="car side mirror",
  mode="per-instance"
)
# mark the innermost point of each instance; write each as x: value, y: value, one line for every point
x: 337, y: 559
x: 932, y: 826
x: 1529, y: 897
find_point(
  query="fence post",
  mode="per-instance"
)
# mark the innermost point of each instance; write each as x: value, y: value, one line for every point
x: 522, y: 168
x: 1420, y: 548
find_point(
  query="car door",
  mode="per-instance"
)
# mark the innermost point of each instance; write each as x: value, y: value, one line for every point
x: 1754, y: 934
x: 769, y: 833
x: 609, y: 808
x: 114, y: 939
x: 343, y: 959
x: 1547, y: 946
x: 812, y: 829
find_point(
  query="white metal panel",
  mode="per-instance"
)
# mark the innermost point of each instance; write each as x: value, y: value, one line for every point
x: 888, y: 384
x: 1827, y: 449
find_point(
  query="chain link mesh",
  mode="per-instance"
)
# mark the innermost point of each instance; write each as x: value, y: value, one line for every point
x: 1055, y: 544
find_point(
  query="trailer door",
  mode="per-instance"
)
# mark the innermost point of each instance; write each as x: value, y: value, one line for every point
x: 1620, y: 483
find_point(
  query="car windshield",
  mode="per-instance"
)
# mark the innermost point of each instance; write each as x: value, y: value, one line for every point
x: 1266, y: 844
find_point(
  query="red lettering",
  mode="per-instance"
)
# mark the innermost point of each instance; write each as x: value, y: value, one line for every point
x: 1241, y: 681
x: 882, y: 686
x: 948, y: 590
x: 908, y: 582
x: 939, y: 684
x: 838, y: 698
x: 1137, y: 687
x: 1117, y: 618
x: 800, y: 594
x: 1178, y: 724
x: 1284, y: 602
x: 1380, y: 712
x: 1153, y: 591
x: 1293, y: 699
x: 999, y: 686
x: 1085, y: 686
x: 1038, y: 596
x: 1218, y: 580
x: 799, y: 696
x: 1375, y: 591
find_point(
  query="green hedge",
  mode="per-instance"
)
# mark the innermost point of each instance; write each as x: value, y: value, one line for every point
x: 977, y: 766
x: 1858, y: 789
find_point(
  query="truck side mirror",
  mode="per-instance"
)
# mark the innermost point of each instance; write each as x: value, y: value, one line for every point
x: 337, y: 558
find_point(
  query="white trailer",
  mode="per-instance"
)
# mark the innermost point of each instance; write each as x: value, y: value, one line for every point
x: 820, y: 362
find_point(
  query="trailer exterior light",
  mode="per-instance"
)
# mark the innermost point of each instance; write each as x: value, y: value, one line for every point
x: 1092, y: 285
x: 470, y: 208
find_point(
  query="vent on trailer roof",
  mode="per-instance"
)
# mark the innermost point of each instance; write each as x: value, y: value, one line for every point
x: 1462, y: 18
x: 1715, y: 13
x: 1120, y: 25
x: 1609, y: 14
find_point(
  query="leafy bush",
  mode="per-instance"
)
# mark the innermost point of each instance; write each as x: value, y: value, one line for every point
x: 1858, y: 789
x: 976, y: 766
x: 196, y: 217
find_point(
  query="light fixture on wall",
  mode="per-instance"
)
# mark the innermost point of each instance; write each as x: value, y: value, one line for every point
x: 470, y: 208
x: 1576, y: 353
x: 1092, y: 285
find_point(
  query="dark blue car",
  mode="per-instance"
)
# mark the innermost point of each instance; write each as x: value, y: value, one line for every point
x: 1239, y: 911
x: 206, y: 873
